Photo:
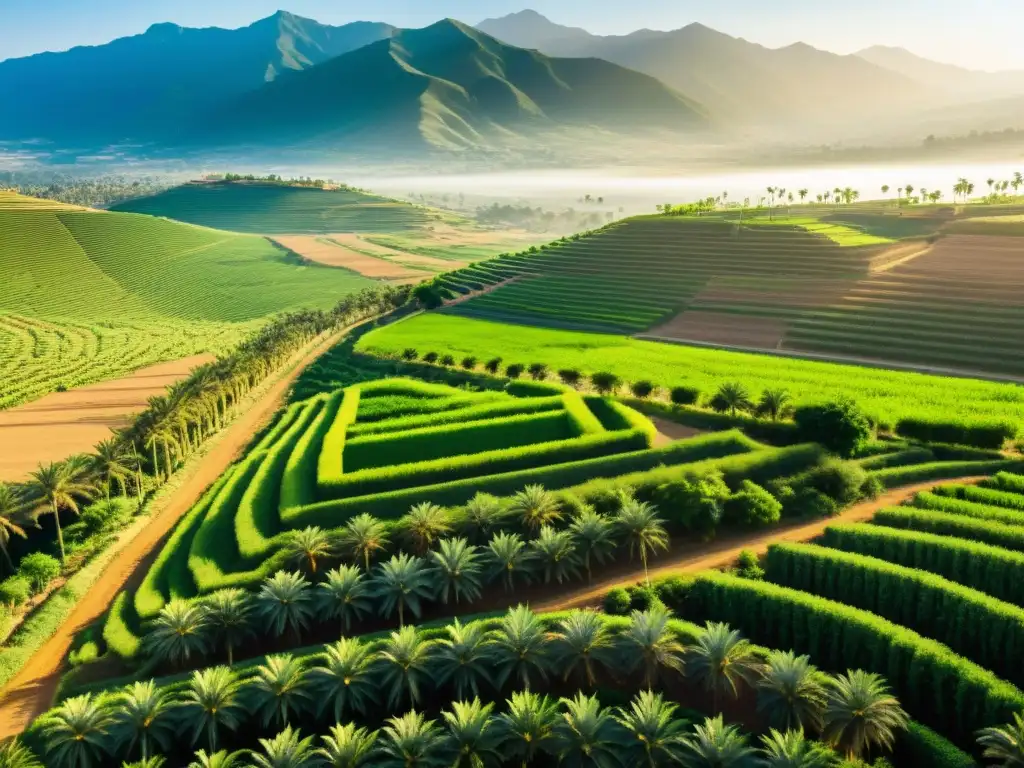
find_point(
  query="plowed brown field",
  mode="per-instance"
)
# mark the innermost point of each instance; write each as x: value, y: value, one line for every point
x: 323, y: 251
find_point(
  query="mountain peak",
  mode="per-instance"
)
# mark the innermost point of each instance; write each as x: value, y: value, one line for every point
x: 164, y: 29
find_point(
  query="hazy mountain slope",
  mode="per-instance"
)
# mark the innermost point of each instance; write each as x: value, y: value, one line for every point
x: 945, y: 77
x: 528, y: 29
x: 137, y: 86
x: 451, y: 86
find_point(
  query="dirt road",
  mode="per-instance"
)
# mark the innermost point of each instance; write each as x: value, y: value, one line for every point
x: 30, y: 692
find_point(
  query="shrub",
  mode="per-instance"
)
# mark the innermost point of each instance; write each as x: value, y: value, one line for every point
x: 514, y: 371
x: 526, y: 388
x: 939, y: 470
x: 538, y: 371
x: 872, y: 488
x: 430, y: 357
x: 428, y: 295
x: 842, y: 481
x: 643, y: 597
x: 810, y: 503
x: 604, y: 382
x: 732, y: 398
x: 410, y: 354
x: 570, y: 377
x: 107, y: 515
x: 921, y: 746
x: 469, y: 363
x: 448, y: 361
x: 840, y: 426
x: 493, y: 365
x: 15, y: 591
x: 39, y: 569
x: 641, y: 389
x: 617, y: 602
x: 752, y: 506
x: 694, y: 505
x: 979, y: 434
x: 684, y: 395
x: 748, y: 566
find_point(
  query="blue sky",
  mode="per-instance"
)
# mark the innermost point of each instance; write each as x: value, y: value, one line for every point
x: 983, y: 34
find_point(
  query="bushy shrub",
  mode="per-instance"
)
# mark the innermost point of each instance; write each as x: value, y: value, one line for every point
x: 840, y: 426
x: 842, y: 481
x: 469, y: 363
x: 643, y: 597
x: 428, y: 295
x: 872, y: 488
x: 14, y: 591
x: 430, y: 357
x: 514, y: 371
x: 694, y: 505
x: 641, y: 389
x: 448, y: 361
x: 752, y: 506
x: 108, y: 515
x: 493, y: 365
x: 979, y: 434
x: 617, y: 602
x: 810, y: 503
x: 538, y: 371
x: 570, y: 377
x: 604, y: 382
x: 684, y: 395
x: 410, y: 354
x: 39, y: 569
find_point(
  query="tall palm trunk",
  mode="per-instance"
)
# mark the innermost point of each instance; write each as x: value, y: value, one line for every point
x: 60, y: 533
x: 7, y: 555
x: 643, y: 557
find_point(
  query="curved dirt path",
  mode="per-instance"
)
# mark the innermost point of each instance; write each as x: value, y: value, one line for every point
x: 703, y: 557
x: 31, y: 691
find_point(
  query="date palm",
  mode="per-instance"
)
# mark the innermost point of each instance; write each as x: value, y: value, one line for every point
x: 14, y: 754
x: 774, y: 404
x: 403, y: 581
x: 346, y: 680
x: 344, y: 595
x: 229, y: 614
x: 412, y: 741
x: 59, y: 486
x: 363, y: 537
x: 716, y: 745
x: 509, y: 558
x: 178, y: 633
x: 482, y: 516
x: 536, y: 507
x: 473, y: 735
x: 582, y: 642
x: 144, y: 715
x: 423, y: 525
x: 654, y: 733
x: 280, y: 689
x: 464, y: 658
x: 791, y: 692
x: 286, y: 750
x: 593, y: 535
x: 732, y: 398
x: 650, y: 644
x: 722, y: 661
x: 112, y: 462
x: 285, y: 602
x: 521, y: 647
x: 158, y: 761
x: 12, y: 505
x: 456, y: 570
x: 555, y: 552
x: 587, y: 735
x: 348, y: 746
x: 307, y: 549
x: 76, y: 733
x: 794, y: 750
x: 642, y: 529
x: 220, y: 759
x: 527, y: 726
x: 212, y: 703
x: 1004, y: 744
x: 406, y: 664
x: 861, y: 713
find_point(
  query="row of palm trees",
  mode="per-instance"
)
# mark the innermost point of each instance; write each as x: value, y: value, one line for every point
x: 481, y: 659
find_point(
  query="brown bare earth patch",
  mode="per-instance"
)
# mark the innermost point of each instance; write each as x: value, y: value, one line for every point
x: 723, y: 328
x: 357, y: 243
x: 983, y: 258
x: 899, y: 255
x: 333, y: 254
x: 669, y: 431
x: 65, y: 423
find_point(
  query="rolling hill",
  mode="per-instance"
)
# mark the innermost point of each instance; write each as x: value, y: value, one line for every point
x: 449, y: 86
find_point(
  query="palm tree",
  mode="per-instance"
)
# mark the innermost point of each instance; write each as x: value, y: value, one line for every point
x: 482, y: 516
x: 732, y: 398
x: 405, y: 664
x: 285, y: 602
x: 722, y: 660
x: 307, y: 548
x: 473, y: 735
x: 217, y: 760
x: 143, y: 715
x: 76, y: 732
x: 212, y: 703
x: 402, y: 581
x: 345, y: 681
x: 556, y: 553
x: 508, y: 556
x: 771, y: 204
x: 593, y: 538
x: 362, y: 537
x: 14, y: 754
x: 11, y: 505
x: 282, y: 687
x: 655, y: 734
x: 521, y: 646
x: 464, y: 658
x: 885, y: 189
x: 649, y: 643
x: 582, y: 641
x: 228, y: 612
x: 803, y: 194
x: 424, y: 524
x: 774, y: 403
x: 348, y: 746
x: 642, y: 528
x: 587, y: 735
x: 178, y: 633
x: 411, y: 741
x: 715, y: 745
x: 457, y: 568
x: 344, y: 595
x: 1004, y: 744
x: 528, y: 725
x: 111, y: 462
x: 536, y: 507
x: 1018, y: 181
x: 792, y: 692
x: 287, y: 750
x: 990, y: 183
x: 860, y: 712
x: 794, y: 750
x: 57, y: 486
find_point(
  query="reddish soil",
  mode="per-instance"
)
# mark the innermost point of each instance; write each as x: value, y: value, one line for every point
x: 723, y: 328
x: 669, y: 431
x: 336, y: 255
x: 65, y: 423
x: 357, y: 242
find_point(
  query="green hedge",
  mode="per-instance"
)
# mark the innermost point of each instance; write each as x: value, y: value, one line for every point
x: 613, y: 415
x: 921, y: 747
x: 320, y: 451
x: 975, y: 625
x: 940, y: 503
x: 587, y: 420
x: 775, y: 432
x: 279, y: 427
x: 120, y: 638
x: 534, y: 388
x: 946, y: 524
x: 979, y: 435
x: 937, y: 687
x: 488, y: 410
x: 939, y: 470
x: 992, y: 570
x: 1005, y: 481
x: 904, y: 458
x: 991, y: 496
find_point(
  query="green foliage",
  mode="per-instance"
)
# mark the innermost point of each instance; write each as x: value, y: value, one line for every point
x: 841, y: 426
x: 39, y: 569
x: 752, y: 506
x: 940, y: 470
x: 617, y: 602
x: 946, y: 524
x: 15, y: 591
x: 684, y: 395
x: 992, y: 434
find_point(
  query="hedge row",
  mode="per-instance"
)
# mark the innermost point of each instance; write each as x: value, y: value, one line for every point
x: 991, y: 496
x: 307, y: 468
x: 921, y: 746
x: 120, y: 638
x: 1005, y: 481
x: 946, y: 524
x: 980, y: 435
x: 279, y: 427
x: 776, y: 432
x: 587, y: 420
x: 534, y: 388
x: 904, y: 458
x: 613, y: 415
x: 486, y: 410
x: 992, y: 570
x: 940, y: 470
x: 388, y: 407
x: 973, y: 624
x: 939, y: 503
x: 937, y: 687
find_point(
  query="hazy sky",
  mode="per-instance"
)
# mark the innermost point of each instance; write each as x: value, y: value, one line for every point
x: 983, y: 34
